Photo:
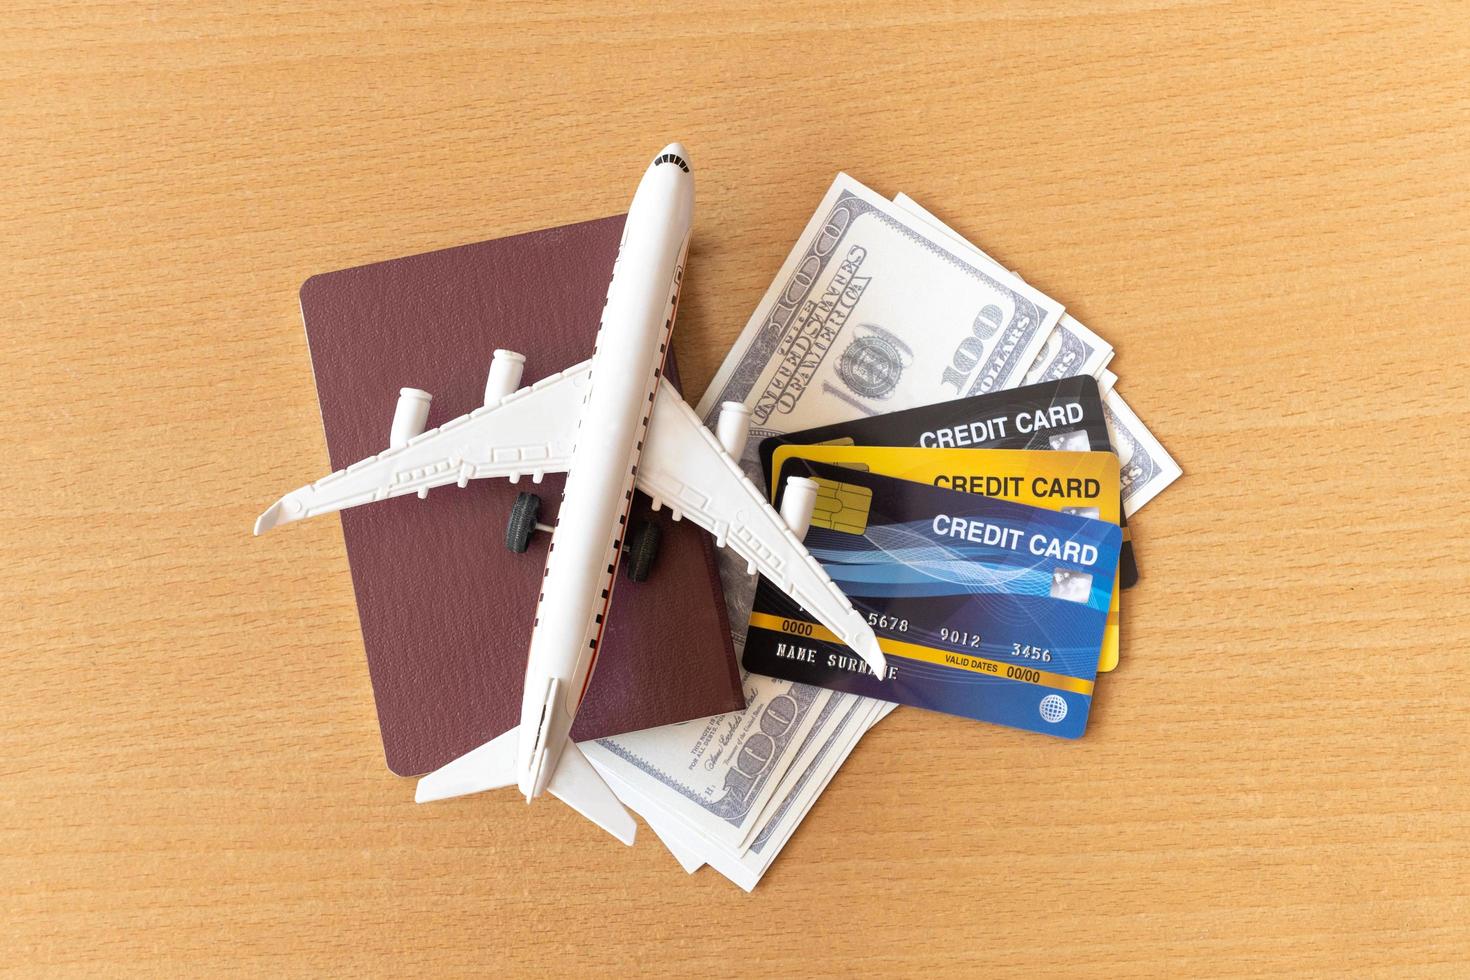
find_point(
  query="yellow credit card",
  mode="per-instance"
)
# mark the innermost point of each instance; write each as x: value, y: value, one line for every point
x: 1085, y: 484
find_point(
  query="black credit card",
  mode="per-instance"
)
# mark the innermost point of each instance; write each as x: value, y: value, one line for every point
x: 1065, y: 414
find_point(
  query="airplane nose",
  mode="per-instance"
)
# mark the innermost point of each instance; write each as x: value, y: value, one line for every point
x: 674, y: 153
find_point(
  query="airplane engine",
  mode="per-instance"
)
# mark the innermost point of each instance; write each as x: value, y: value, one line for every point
x: 410, y: 416
x: 733, y: 428
x: 797, y: 505
x: 505, y: 375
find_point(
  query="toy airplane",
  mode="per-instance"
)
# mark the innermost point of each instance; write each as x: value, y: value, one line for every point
x: 612, y: 424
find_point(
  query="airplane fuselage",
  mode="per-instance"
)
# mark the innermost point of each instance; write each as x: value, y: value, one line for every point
x: 592, y: 522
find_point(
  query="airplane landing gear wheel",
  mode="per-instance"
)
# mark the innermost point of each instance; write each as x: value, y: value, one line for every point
x: 522, y: 523
x: 643, y: 551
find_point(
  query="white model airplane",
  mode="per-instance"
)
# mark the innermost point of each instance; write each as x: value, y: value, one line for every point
x: 612, y: 424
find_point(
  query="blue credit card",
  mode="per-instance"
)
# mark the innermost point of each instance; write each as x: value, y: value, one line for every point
x: 985, y: 608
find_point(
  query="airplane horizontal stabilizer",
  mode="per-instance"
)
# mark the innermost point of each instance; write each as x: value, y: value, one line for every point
x: 579, y: 786
x: 491, y: 766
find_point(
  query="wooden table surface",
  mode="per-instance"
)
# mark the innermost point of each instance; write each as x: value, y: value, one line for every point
x: 1263, y: 206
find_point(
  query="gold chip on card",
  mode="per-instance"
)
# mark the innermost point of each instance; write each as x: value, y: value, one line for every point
x: 842, y: 507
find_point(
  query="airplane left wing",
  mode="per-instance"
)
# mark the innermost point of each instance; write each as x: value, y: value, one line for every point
x: 684, y: 468
x: 530, y: 431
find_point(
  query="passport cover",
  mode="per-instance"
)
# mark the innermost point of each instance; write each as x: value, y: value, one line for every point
x: 445, y: 608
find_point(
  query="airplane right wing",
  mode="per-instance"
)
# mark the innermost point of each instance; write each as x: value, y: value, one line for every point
x: 684, y: 467
x: 529, y: 431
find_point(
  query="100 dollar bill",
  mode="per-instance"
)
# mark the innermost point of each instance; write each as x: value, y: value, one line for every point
x: 844, y: 720
x: 720, y: 772
x: 872, y: 312
x: 1147, y: 468
x: 1071, y: 350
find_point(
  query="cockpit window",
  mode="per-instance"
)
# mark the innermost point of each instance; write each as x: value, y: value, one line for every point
x: 672, y: 158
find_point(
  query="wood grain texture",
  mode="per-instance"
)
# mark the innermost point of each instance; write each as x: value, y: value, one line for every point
x: 1263, y: 206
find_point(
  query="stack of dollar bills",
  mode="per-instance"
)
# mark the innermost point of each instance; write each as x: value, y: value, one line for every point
x: 879, y: 307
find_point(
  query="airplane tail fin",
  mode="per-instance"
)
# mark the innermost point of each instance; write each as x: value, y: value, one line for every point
x: 491, y: 766
x: 579, y: 786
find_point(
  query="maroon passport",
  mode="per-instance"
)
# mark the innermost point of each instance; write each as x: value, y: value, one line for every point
x: 445, y: 608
